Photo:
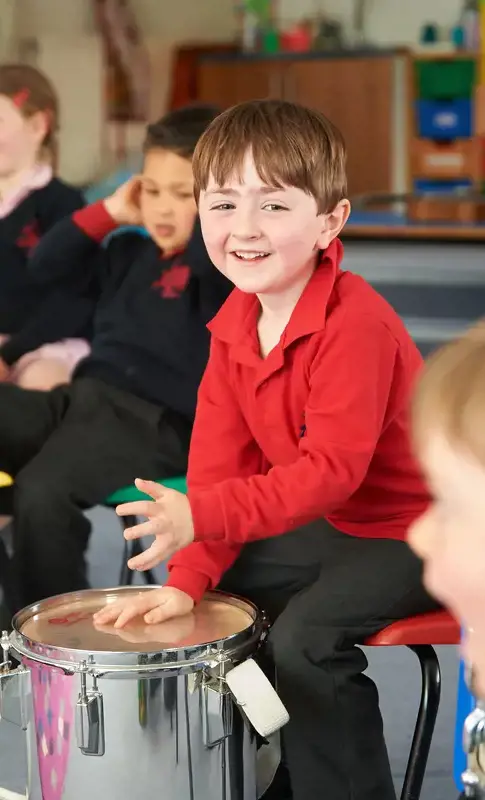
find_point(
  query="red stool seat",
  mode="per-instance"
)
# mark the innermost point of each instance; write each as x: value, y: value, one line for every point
x: 436, y: 628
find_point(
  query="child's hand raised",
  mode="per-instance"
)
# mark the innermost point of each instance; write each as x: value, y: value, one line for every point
x: 124, y: 203
x: 155, y: 606
x: 169, y: 520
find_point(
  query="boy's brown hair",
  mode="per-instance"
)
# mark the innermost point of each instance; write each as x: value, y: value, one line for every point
x: 450, y: 396
x: 180, y: 130
x: 291, y: 146
x: 32, y: 91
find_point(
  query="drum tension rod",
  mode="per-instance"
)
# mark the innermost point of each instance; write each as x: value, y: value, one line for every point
x: 5, y: 664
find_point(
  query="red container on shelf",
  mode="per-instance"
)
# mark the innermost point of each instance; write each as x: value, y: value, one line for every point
x: 297, y: 39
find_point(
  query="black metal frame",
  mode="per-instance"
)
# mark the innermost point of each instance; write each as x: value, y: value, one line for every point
x: 425, y: 721
x: 131, y: 549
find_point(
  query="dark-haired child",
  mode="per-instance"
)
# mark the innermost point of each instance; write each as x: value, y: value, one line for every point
x: 130, y: 406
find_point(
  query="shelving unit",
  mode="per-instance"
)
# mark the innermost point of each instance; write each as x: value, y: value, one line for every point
x: 446, y: 153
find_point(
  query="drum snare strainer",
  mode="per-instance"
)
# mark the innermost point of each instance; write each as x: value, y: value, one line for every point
x: 161, y: 696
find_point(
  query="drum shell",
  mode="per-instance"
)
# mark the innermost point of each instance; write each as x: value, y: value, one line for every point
x: 165, y: 727
x: 171, y: 732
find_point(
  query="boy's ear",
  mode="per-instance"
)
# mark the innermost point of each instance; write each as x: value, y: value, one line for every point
x: 333, y: 223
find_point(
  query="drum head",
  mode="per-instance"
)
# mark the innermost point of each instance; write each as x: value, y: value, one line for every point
x: 66, y: 623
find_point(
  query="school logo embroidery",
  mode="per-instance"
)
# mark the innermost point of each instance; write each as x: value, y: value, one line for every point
x: 29, y: 236
x: 172, y: 283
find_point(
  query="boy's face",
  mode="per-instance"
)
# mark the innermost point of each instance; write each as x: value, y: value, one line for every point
x: 450, y: 538
x: 167, y: 202
x: 264, y: 239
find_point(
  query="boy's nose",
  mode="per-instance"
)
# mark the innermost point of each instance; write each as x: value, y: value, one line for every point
x: 164, y: 210
x: 245, y: 227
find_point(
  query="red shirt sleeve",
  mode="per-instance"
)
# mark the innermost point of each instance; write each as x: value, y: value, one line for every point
x: 222, y: 447
x: 350, y: 383
x: 95, y: 220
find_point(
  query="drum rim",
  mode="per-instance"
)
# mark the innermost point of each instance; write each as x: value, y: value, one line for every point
x: 104, y: 661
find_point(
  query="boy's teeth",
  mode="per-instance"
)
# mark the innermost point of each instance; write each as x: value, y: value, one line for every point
x: 250, y: 256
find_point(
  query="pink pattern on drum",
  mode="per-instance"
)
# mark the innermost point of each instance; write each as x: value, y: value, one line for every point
x: 54, y: 718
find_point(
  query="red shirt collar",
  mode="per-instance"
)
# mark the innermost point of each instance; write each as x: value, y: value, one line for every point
x: 237, y: 317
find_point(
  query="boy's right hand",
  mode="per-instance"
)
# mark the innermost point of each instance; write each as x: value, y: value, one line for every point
x: 154, y: 606
x: 124, y: 204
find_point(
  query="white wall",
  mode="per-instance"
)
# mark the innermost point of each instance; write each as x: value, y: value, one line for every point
x: 54, y: 17
x: 180, y: 20
x: 74, y: 64
x: 8, y: 21
x: 186, y: 20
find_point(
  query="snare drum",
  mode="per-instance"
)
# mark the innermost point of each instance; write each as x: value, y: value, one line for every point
x: 147, y: 711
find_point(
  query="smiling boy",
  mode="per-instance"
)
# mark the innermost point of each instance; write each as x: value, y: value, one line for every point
x: 301, y: 481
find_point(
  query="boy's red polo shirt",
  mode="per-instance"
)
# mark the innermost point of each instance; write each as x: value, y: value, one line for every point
x: 317, y: 429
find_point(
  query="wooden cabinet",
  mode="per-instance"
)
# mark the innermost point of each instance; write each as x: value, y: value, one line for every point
x: 229, y: 82
x: 362, y: 95
x: 356, y: 95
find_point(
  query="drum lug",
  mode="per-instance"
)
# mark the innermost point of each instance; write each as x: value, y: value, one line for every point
x: 471, y: 785
x: 217, y: 712
x: 474, y: 733
x: 90, y: 718
x: 474, y: 745
x: 15, y: 697
x: 5, y: 645
x: 15, y: 689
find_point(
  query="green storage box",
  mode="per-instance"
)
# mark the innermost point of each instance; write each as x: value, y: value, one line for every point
x: 445, y: 79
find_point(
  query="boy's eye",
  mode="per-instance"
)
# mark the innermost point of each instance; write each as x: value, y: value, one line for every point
x: 184, y: 195
x: 274, y: 207
x: 222, y: 207
x: 151, y: 192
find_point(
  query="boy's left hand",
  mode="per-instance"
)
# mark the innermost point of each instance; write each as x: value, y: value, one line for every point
x: 169, y: 521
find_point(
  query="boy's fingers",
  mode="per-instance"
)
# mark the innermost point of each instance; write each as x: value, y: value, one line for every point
x: 131, y: 611
x: 156, y: 553
x: 106, y: 615
x: 150, y: 488
x: 112, y: 611
x: 150, y: 528
x: 139, y: 508
x: 109, y: 614
x: 159, y: 614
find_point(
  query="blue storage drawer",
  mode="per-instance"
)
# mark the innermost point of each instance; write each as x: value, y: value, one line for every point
x: 444, y: 119
x: 424, y: 186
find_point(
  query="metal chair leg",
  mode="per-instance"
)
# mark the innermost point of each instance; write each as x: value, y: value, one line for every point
x: 130, y: 550
x: 425, y: 722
